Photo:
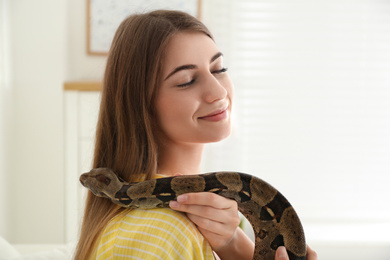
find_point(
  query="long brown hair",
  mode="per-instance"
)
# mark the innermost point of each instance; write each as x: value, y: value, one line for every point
x: 125, y: 137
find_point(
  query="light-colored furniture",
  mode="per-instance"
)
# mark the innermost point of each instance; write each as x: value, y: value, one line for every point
x: 81, y: 111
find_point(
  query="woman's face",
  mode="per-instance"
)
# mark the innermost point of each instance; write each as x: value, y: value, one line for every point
x: 195, y: 95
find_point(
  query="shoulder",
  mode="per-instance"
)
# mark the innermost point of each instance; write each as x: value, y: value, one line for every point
x: 158, y: 222
x: 155, y: 232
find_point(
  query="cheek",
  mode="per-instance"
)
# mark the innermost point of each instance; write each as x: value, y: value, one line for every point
x: 164, y: 112
x: 173, y: 112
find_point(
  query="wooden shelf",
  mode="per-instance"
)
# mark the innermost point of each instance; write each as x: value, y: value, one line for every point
x: 83, y: 86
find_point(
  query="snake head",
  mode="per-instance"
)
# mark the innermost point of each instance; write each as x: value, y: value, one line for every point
x: 102, y: 182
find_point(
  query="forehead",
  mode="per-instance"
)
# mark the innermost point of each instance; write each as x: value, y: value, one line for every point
x: 188, y: 48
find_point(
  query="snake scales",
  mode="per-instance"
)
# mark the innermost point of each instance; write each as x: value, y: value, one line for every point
x: 273, y: 219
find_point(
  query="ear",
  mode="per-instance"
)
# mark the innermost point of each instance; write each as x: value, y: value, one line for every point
x: 103, y: 179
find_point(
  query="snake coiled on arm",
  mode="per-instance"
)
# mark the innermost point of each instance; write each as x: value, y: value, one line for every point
x: 273, y: 219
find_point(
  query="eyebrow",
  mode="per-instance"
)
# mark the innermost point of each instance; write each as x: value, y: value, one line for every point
x: 191, y: 66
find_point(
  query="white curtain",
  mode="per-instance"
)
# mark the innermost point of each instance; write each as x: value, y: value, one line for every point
x: 312, y: 107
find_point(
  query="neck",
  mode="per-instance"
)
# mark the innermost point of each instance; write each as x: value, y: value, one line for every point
x: 181, y: 159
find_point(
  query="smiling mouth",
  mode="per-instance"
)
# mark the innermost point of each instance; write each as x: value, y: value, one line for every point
x: 216, y: 115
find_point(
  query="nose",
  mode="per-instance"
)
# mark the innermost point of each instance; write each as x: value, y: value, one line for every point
x: 214, y: 90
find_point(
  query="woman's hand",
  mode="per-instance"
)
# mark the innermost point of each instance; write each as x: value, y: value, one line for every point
x: 281, y: 254
x: 217, y: 219
x: 215, y: 216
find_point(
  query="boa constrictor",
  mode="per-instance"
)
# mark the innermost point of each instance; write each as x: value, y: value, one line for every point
x: 273, y: 219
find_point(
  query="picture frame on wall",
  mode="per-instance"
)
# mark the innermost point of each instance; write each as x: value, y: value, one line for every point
x: 104, y: 17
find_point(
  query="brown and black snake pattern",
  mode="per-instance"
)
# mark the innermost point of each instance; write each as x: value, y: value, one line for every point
x: 273, y: 219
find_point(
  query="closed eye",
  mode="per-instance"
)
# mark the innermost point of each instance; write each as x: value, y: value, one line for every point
x: 186, y: 84
x: 193, y: 80
x: 219, y: 71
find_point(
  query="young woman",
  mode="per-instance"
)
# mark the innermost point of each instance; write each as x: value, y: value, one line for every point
x: 165, y: 94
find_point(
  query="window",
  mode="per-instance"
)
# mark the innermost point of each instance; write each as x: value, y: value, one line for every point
x: 312, y: 107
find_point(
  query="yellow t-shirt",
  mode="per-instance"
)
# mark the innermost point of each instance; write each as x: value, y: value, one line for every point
x: 160, y: 233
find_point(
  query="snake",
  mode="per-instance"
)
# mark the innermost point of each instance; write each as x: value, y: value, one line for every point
x: 274, y: 221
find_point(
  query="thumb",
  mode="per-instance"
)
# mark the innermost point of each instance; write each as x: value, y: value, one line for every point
x: 281, y: 253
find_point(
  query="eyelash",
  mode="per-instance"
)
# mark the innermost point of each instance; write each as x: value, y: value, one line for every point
x: 193, y: 80
x: 220, y: 71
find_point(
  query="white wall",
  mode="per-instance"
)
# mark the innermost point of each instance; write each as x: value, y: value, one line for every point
x: 3, y: 160
x: 34, y: 149
x: 47, y: 47
x: 80, y: 65
x: 4, y: 116
x: 5, y: 133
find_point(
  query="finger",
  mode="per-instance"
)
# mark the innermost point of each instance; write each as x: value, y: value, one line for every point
x: 206, y: 199
x: 213, y: 226
x: 281, y: 253
x: 211, y: 213
x: 200, y: 210
x: 311, y: 254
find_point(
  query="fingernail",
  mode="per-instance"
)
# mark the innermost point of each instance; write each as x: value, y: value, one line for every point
x: 173, y: 204
x: 182, y: 198
x: 282, y: 253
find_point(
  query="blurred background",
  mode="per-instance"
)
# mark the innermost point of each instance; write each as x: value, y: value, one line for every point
x: 311, y: 115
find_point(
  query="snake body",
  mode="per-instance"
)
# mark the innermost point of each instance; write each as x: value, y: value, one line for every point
x: 274, y: 221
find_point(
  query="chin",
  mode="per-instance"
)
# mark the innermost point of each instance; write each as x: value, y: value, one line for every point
x: 219, y: 137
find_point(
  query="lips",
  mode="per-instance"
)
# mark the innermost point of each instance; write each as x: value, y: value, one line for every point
x: 216, y: 115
